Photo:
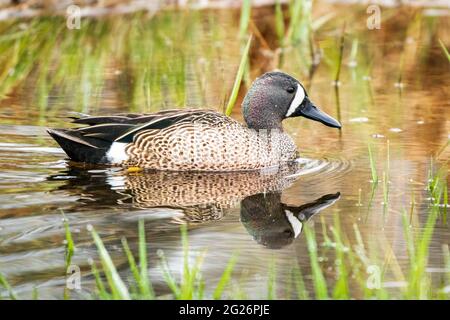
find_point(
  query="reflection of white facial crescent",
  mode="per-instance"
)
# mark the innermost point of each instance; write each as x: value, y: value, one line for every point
x: 296, y: 224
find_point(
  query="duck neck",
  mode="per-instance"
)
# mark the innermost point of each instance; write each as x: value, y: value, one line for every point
x: 263, y: 122
x: 262, y: 119
x: 259, y: 111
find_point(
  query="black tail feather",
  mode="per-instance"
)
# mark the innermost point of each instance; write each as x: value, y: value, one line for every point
x: 81, y: 148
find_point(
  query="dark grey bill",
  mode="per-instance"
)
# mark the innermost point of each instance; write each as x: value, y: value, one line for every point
x: 308, y: 110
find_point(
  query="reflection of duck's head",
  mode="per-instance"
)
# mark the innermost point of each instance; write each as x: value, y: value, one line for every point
x: 275, y: 224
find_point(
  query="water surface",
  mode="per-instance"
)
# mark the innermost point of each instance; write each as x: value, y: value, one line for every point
x: 393, y: 93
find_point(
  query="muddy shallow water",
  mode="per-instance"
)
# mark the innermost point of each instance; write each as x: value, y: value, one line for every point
x: 240, y: 213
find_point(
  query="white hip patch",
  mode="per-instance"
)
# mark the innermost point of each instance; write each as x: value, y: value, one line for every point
x: 116, y: 182
x: 298, y: 99
x: 116, y: 154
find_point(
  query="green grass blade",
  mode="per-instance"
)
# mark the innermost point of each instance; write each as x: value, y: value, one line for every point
x: 279, y: 23
x: 418, y: 284
x: 446, y: 255
x: 302, y: 292
x: 373, y: 169
x: 225, y: 278
x: 271, y: 282
x: 186, y: 276
x: 385, y: 192
x: 295, y: 9
x: 200, y: 289
x: 445, y: 203
x: 354, y: 50
x: 320, y: 285
x: 341, y: 289
x: 168, y: 278
x: 322, y: 20
x: 144, y: 283
x: 102, y: 293
x: 447, y: 54
x: 70, y: 247
x: 35, y: 294
x: 238, y: 79
x: 192, y: 286
x: 246, y: 11
x: 117, y: 286
x: 131, y: 261
x: 5, y: 284
x: 409, y: 237
x: 340, y: 57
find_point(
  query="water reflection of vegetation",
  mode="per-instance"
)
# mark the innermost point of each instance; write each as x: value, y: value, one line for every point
x: 141, y: 49
x: 151, y: 58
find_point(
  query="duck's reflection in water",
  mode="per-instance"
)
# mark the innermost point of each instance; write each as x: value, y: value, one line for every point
x: 200, y: 197
x: 275, y: 224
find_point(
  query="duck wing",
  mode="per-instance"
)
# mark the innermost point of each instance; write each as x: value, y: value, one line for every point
x: 91, y: 142
x: 128, y: 118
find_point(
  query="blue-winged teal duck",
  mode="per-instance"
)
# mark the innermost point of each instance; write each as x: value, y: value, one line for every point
x: 198, y: 140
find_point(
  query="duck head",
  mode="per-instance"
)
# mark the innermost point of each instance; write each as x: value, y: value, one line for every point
x: 276, y: 96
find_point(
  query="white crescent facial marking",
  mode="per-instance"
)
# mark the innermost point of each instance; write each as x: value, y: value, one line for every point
x: 296, y: 224
x: 117, y: 154
x: 298, y: 99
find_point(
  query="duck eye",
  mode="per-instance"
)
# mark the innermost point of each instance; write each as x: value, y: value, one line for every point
x: 290, y: 90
